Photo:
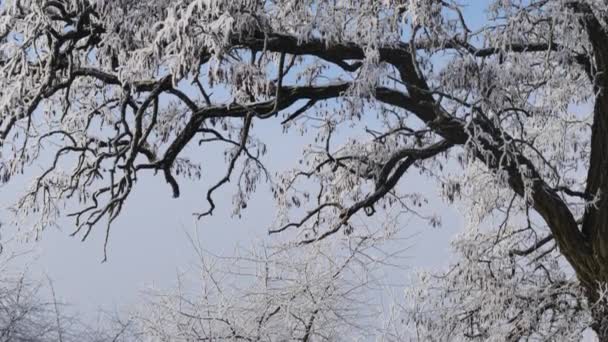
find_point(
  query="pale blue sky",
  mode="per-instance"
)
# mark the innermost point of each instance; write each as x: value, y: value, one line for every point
x: 149, y: 243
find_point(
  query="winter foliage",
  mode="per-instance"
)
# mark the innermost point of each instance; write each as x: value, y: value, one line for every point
x: 506, y: 114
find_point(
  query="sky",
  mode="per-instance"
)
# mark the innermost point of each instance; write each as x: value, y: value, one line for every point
x: 149, y: 243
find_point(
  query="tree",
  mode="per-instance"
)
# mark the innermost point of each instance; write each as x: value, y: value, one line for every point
x: 26, y: 315
x: 494, y: 111
x: 320, y: 292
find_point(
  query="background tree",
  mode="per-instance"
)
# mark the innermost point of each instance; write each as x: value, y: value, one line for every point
x: 495, y: 111
x: 320, y: 292
x: 30, y: 311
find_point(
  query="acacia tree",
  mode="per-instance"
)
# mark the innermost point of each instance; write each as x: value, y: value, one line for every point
x: 506, y: 114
